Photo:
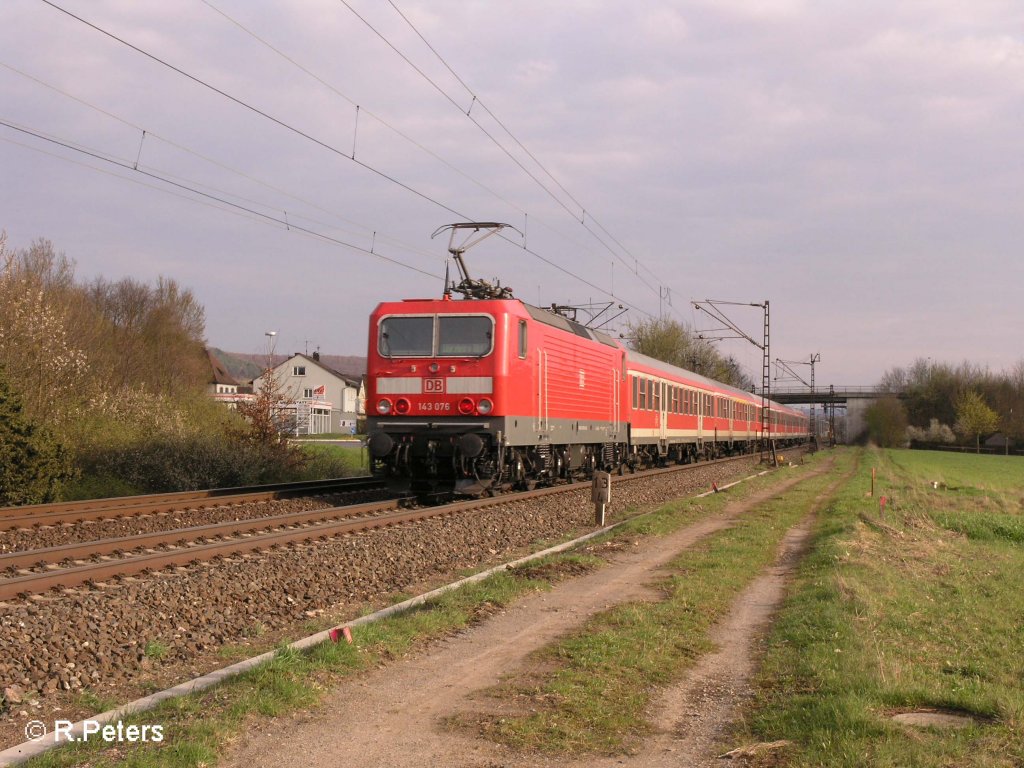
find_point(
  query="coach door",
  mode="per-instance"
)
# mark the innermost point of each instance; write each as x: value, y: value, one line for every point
x: 616, y: 402
x: 700, y: 414
x: 541, y: 419
x: 663, y: 413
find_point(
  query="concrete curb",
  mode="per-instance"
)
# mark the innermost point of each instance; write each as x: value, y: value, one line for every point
x: 29, y: 749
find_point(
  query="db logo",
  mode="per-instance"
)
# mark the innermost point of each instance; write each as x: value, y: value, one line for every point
x: 433, y: 386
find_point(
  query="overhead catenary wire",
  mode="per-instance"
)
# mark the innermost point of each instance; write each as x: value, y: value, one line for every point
x: 252, y: 108
x: 583, y: 213
x: 466, y: 112
x: 282, y: 220
x: 128, y: 166
x: 218, y: 164
x: 327, y: 146
x: 362, y: 110
x: 476, y: 100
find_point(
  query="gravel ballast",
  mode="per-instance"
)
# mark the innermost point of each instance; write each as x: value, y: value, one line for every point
x: 123, y: 638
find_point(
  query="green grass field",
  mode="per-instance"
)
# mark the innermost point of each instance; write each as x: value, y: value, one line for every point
x: 919, y: 608
x: 334, y: 461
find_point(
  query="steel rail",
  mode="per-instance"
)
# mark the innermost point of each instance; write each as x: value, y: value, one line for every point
x: 125, y: 544
x: 73, y: 576
x: 124, y: 506
x: 36, y: 583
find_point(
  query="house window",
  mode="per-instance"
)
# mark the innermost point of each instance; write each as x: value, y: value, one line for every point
x: 298, y: 370
x: 308, y: 392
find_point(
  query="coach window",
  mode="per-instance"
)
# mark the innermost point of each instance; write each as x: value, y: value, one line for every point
x: 464, y: 335
x: 657, y: 396
x: 522, y: 339
x: 635, y: 392
x: 407, y: 336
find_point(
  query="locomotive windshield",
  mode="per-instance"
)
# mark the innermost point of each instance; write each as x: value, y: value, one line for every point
x: 461, y: 335
x: 407, y: 336
x: 436, y: 336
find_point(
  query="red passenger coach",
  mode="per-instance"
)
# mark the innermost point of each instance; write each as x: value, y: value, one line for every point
x: 467, y: 396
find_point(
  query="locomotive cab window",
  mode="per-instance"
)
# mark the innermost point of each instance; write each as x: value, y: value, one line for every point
x: 436, y: 336
x: 464, y: 335
x: 407, y: 336
x: 522, y: 339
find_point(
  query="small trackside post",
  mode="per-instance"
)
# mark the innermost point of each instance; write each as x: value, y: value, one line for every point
x: 601, y: 495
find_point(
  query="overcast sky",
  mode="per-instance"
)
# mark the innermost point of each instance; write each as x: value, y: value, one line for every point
x: 858, y: 164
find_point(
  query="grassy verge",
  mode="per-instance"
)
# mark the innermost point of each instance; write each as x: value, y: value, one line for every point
x: 196, y: 727
x: 918, y: 609
x: 333, y: 461
x: 589, y: 693
x: 332, y: 436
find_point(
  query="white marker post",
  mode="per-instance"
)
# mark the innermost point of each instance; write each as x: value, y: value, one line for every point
x: 601, y: 495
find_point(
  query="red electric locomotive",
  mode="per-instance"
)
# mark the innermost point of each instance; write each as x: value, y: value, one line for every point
x: 486, y: 392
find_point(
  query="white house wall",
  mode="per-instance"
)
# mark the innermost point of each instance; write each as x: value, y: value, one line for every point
x: 343, y: 398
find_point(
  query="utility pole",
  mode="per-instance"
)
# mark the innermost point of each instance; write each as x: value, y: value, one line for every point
x: 785, y: 365
x: 712, y: 307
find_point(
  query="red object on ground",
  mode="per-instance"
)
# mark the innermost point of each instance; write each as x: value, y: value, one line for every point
x: 337, y: 632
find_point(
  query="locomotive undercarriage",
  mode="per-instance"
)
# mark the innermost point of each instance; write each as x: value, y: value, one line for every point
x: 432, y: 464
x: 477, y: 465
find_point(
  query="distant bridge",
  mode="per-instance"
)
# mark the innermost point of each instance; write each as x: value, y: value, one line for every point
x: 855, y: 400
x: 837, y: 394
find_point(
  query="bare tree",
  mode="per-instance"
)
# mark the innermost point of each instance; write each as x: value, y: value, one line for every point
x: 673, y: 342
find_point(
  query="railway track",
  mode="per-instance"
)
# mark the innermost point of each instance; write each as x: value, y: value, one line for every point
x: 62, y: 566
x: 92, y: 510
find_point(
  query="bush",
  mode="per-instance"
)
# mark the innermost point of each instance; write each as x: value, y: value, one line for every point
x: 33, y: 463
x: 887, y: 422
x: 185, y: 463
x: 936, y: 433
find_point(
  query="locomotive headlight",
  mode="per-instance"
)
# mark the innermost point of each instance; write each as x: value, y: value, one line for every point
x: 484, y: 406
x: 466, y: 406
x: 402, y: 406
x: 384, y: 406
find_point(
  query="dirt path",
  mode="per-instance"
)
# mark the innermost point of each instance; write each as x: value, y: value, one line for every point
x: 390, y: 717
